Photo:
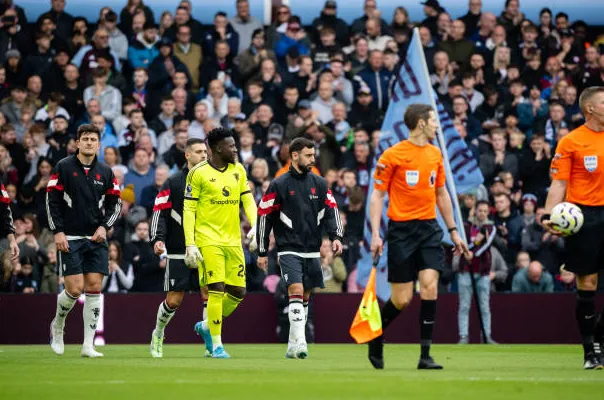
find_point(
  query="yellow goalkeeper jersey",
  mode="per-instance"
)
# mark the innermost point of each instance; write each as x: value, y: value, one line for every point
x: 211, y: 205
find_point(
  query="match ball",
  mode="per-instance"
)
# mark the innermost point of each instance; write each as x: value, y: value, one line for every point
x: 567, y: 218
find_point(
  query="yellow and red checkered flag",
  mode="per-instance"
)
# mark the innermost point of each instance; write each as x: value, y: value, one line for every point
x: 367, y: 324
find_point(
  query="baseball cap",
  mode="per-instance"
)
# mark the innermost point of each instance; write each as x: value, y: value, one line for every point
x: 240, y: 117
x: 13, y: 53
x: 275, y: 132
x: 304, y: 104
x: 330, y: 4
x: 432, y: 3
x: 364, y: 90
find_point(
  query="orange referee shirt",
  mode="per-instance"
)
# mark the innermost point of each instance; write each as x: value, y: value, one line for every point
x: 577, y: 160
x: 410, y: 174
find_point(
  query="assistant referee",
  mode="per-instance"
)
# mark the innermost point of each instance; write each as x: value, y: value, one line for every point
x: 578, y: 176
x: 412, y: 173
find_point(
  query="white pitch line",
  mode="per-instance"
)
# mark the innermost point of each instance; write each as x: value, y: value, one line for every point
x: 416, y: 378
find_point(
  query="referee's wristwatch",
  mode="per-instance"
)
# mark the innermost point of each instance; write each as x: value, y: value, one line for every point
x: 452, y: 229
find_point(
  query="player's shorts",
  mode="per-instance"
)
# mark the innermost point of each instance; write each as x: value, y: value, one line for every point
x: 413, y: 246
x: 296, y: 269
x: 585, y: 249
x: 85, y: 256
x: 223, y: 264
x: 178, y: 277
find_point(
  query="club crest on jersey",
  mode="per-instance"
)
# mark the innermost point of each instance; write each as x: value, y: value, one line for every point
x: 590, y: 163
x: 432, y: 178
x: 412, y: 177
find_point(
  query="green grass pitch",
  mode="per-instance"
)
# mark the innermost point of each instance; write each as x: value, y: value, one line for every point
x: 332, y: 372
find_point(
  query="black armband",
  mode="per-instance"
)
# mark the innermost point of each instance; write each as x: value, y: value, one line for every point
x: 452, y: 229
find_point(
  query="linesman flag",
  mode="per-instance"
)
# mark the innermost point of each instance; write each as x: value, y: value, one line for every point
x: 367, y: 324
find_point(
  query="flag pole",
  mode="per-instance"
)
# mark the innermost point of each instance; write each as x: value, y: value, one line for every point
x: 450, y: 182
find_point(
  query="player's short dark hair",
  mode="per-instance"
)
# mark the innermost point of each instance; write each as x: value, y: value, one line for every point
x: 415, y: 113
x: 217, y: 135
x: 194, y: 141
x: 538, y: 135
x: 561, y: 15
x: 128, y: 100
x: 482, y: 202
x: 135, y: 111
x: 587, y: 94
x: 167, y: 98
x: 88, y: 128
x: 300, y: 143
x: 220, y: 14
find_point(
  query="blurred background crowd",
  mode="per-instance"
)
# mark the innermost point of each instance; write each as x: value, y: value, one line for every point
x: 149, y: 82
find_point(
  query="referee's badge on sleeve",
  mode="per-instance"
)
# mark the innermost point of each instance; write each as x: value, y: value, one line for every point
x: 189, y: 190
x: 590, y: 163
x: 432, y: 178
x: 412, y: 177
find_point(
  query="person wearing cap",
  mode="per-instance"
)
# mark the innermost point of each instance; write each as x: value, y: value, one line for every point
x: 15, y: 72
x: 329, y: 18
x: 364, y: 112
x: 432, y: 9
x: 85, y: 58
x: 245, y: 25
x: 294, y: 36
x: 144, y: 50
x: 370, y: 10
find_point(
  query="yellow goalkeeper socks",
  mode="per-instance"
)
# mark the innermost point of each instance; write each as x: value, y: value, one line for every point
x: 229, y: 304
x: 215, y: 312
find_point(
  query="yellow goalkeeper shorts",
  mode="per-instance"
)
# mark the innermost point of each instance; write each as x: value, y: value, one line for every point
x: 223, y: 264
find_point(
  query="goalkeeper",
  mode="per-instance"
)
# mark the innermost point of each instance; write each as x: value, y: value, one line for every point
x: 211, y: 223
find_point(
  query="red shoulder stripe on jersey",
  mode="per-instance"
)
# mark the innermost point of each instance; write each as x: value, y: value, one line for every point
x: 268, y: 210
x: 330, y: 201
x: 163, y: 206
x: 53, y: 184
x: 4, y: 195
x: 114, y: 190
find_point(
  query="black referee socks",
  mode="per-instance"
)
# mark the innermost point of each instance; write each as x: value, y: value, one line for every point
x: 427, y: 315
x: 389, y: 313
x: 586, y: 318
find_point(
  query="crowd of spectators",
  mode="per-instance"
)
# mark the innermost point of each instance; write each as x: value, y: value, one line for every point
x: 149, y: 82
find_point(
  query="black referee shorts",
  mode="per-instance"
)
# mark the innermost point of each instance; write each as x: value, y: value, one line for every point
x: 585, y: 249
x: 413, y: 246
